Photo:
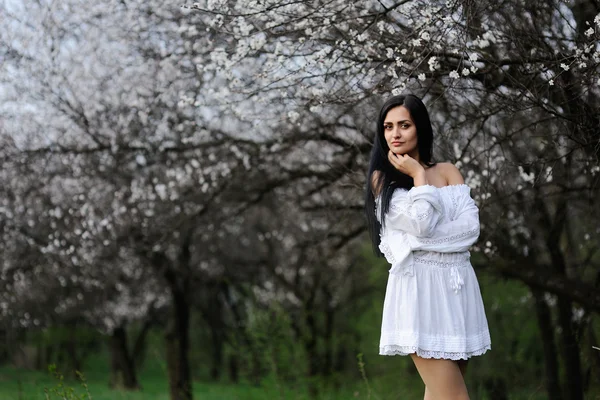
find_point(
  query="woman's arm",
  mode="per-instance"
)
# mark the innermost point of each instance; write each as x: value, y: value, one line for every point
x: 460, y: 233
x: 452, y: 236
x: 416, y: 211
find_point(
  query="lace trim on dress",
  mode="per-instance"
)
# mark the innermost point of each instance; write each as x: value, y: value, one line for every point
x: 456, y: 279
x: 442, y: 264
x: 392, y: 350
x: 387, y: 252
x: 454, y: 205
x: 406, y: 210
x: 448, y: 238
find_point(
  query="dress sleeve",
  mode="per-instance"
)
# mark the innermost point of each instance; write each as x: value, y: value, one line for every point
x: 416, y: 211
x: 456, y: 235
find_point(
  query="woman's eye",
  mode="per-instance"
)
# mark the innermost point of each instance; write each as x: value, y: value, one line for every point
x: 404, y: 126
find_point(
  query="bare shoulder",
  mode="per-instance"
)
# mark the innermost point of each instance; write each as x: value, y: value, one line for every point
x: 451, y: 173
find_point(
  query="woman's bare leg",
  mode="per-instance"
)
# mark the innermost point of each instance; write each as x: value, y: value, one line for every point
x: 443, y: 378
x: 428, y: 395
x: 462, y: 364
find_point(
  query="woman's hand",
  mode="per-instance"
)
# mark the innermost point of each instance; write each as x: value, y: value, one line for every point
x: 406, y: 164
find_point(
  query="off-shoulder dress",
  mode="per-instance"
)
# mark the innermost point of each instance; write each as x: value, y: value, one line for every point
x: 433, y: 305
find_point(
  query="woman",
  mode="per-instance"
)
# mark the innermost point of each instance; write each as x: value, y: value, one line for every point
x: 423, y: 220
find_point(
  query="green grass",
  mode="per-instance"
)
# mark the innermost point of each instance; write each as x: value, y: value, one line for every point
x: 21, y: 384
x: 516, y: 357
x: 395, y: 384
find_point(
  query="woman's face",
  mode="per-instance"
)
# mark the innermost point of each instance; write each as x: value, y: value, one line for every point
x: 400, y: 132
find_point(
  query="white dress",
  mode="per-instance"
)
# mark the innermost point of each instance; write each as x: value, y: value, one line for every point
x: 433, y: 305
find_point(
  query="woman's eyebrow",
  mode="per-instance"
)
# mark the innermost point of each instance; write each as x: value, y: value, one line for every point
x: 400, y: 122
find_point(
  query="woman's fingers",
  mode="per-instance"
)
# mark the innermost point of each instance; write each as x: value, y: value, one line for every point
x: 396, y: 161
x: 392, y: 159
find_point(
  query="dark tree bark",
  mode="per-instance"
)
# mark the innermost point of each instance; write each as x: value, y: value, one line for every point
x: 238, y: 315
x: 70, y: 346
x: 177, y: 332
x: 555, y: 225
x: 216, y: 353
x: 123, y: 373
x: 544, y: 319
x: 233, y: 369
x: 4, y: 354
x: 328, y: 337
x: 310, y: 345
x: 140, y: 345
x: 594, y: 352
x: 213, y: 313
x: 570, y: 350
x: 177, y: 344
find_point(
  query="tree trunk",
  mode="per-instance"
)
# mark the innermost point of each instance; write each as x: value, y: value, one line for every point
x: 140, y: 345
x: 4, y: 340
x: 255, y: 374
x: 213, y: 315
x: 310, y: 345
x: 554, y: 223
x: 177, y: 340
x: 70, y: 346
x: 40, y: 353
x: 595, y: 353
x: 570, y: 350
x: 122, y: 374
x: 328, y: 338
x: 544, y: 319
x: 216, y: 353
x: 233, y: 369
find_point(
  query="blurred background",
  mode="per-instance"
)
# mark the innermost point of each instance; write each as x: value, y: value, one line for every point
x: 182, y: 190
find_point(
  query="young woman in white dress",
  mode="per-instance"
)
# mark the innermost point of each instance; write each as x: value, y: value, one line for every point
x: 422, y: 219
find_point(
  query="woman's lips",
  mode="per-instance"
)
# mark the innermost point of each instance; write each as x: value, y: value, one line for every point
x: 397, y: 143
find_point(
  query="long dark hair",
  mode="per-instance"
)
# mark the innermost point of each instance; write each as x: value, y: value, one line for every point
x: 389, y: 177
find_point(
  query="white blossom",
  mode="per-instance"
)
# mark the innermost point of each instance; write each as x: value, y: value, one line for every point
x: 422, y: 77
x: 433, y: 63
x: 526, y: 177
x: 293, y: 116
x: 454, y: 75
x: 548, y: 173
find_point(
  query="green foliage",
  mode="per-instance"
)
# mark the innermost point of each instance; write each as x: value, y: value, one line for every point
x: 273, y: 361
x: 63, y: 391
x: 271, y: 352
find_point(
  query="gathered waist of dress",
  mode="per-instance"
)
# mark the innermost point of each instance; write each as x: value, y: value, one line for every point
x: 441, y: 259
